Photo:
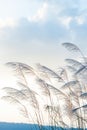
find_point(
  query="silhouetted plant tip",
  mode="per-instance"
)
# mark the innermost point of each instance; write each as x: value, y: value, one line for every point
x: 71, y: 46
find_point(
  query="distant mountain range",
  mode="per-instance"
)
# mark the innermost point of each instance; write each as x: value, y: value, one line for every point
x: 21, y: 126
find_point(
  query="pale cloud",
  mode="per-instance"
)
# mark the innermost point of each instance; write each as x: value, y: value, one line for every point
x: 80, y: 19
x: 7, y: 23
x: 65, y: 20
x: 40, y: 14
x: 62, y: 23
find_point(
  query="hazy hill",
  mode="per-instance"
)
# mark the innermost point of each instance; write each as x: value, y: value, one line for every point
x: 20, y: 126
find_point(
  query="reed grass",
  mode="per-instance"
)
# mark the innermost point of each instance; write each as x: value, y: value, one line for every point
x: 63, y: 103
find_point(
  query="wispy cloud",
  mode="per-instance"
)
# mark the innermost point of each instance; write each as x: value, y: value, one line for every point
x: 7, y: 23
x: 40, y: 14
x: 49, y: 23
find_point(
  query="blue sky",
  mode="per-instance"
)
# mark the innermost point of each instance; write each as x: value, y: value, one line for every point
x: 30, y: 28
x: 32, y: 31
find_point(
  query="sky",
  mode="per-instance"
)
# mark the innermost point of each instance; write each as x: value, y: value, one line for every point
x: 32, y: 31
